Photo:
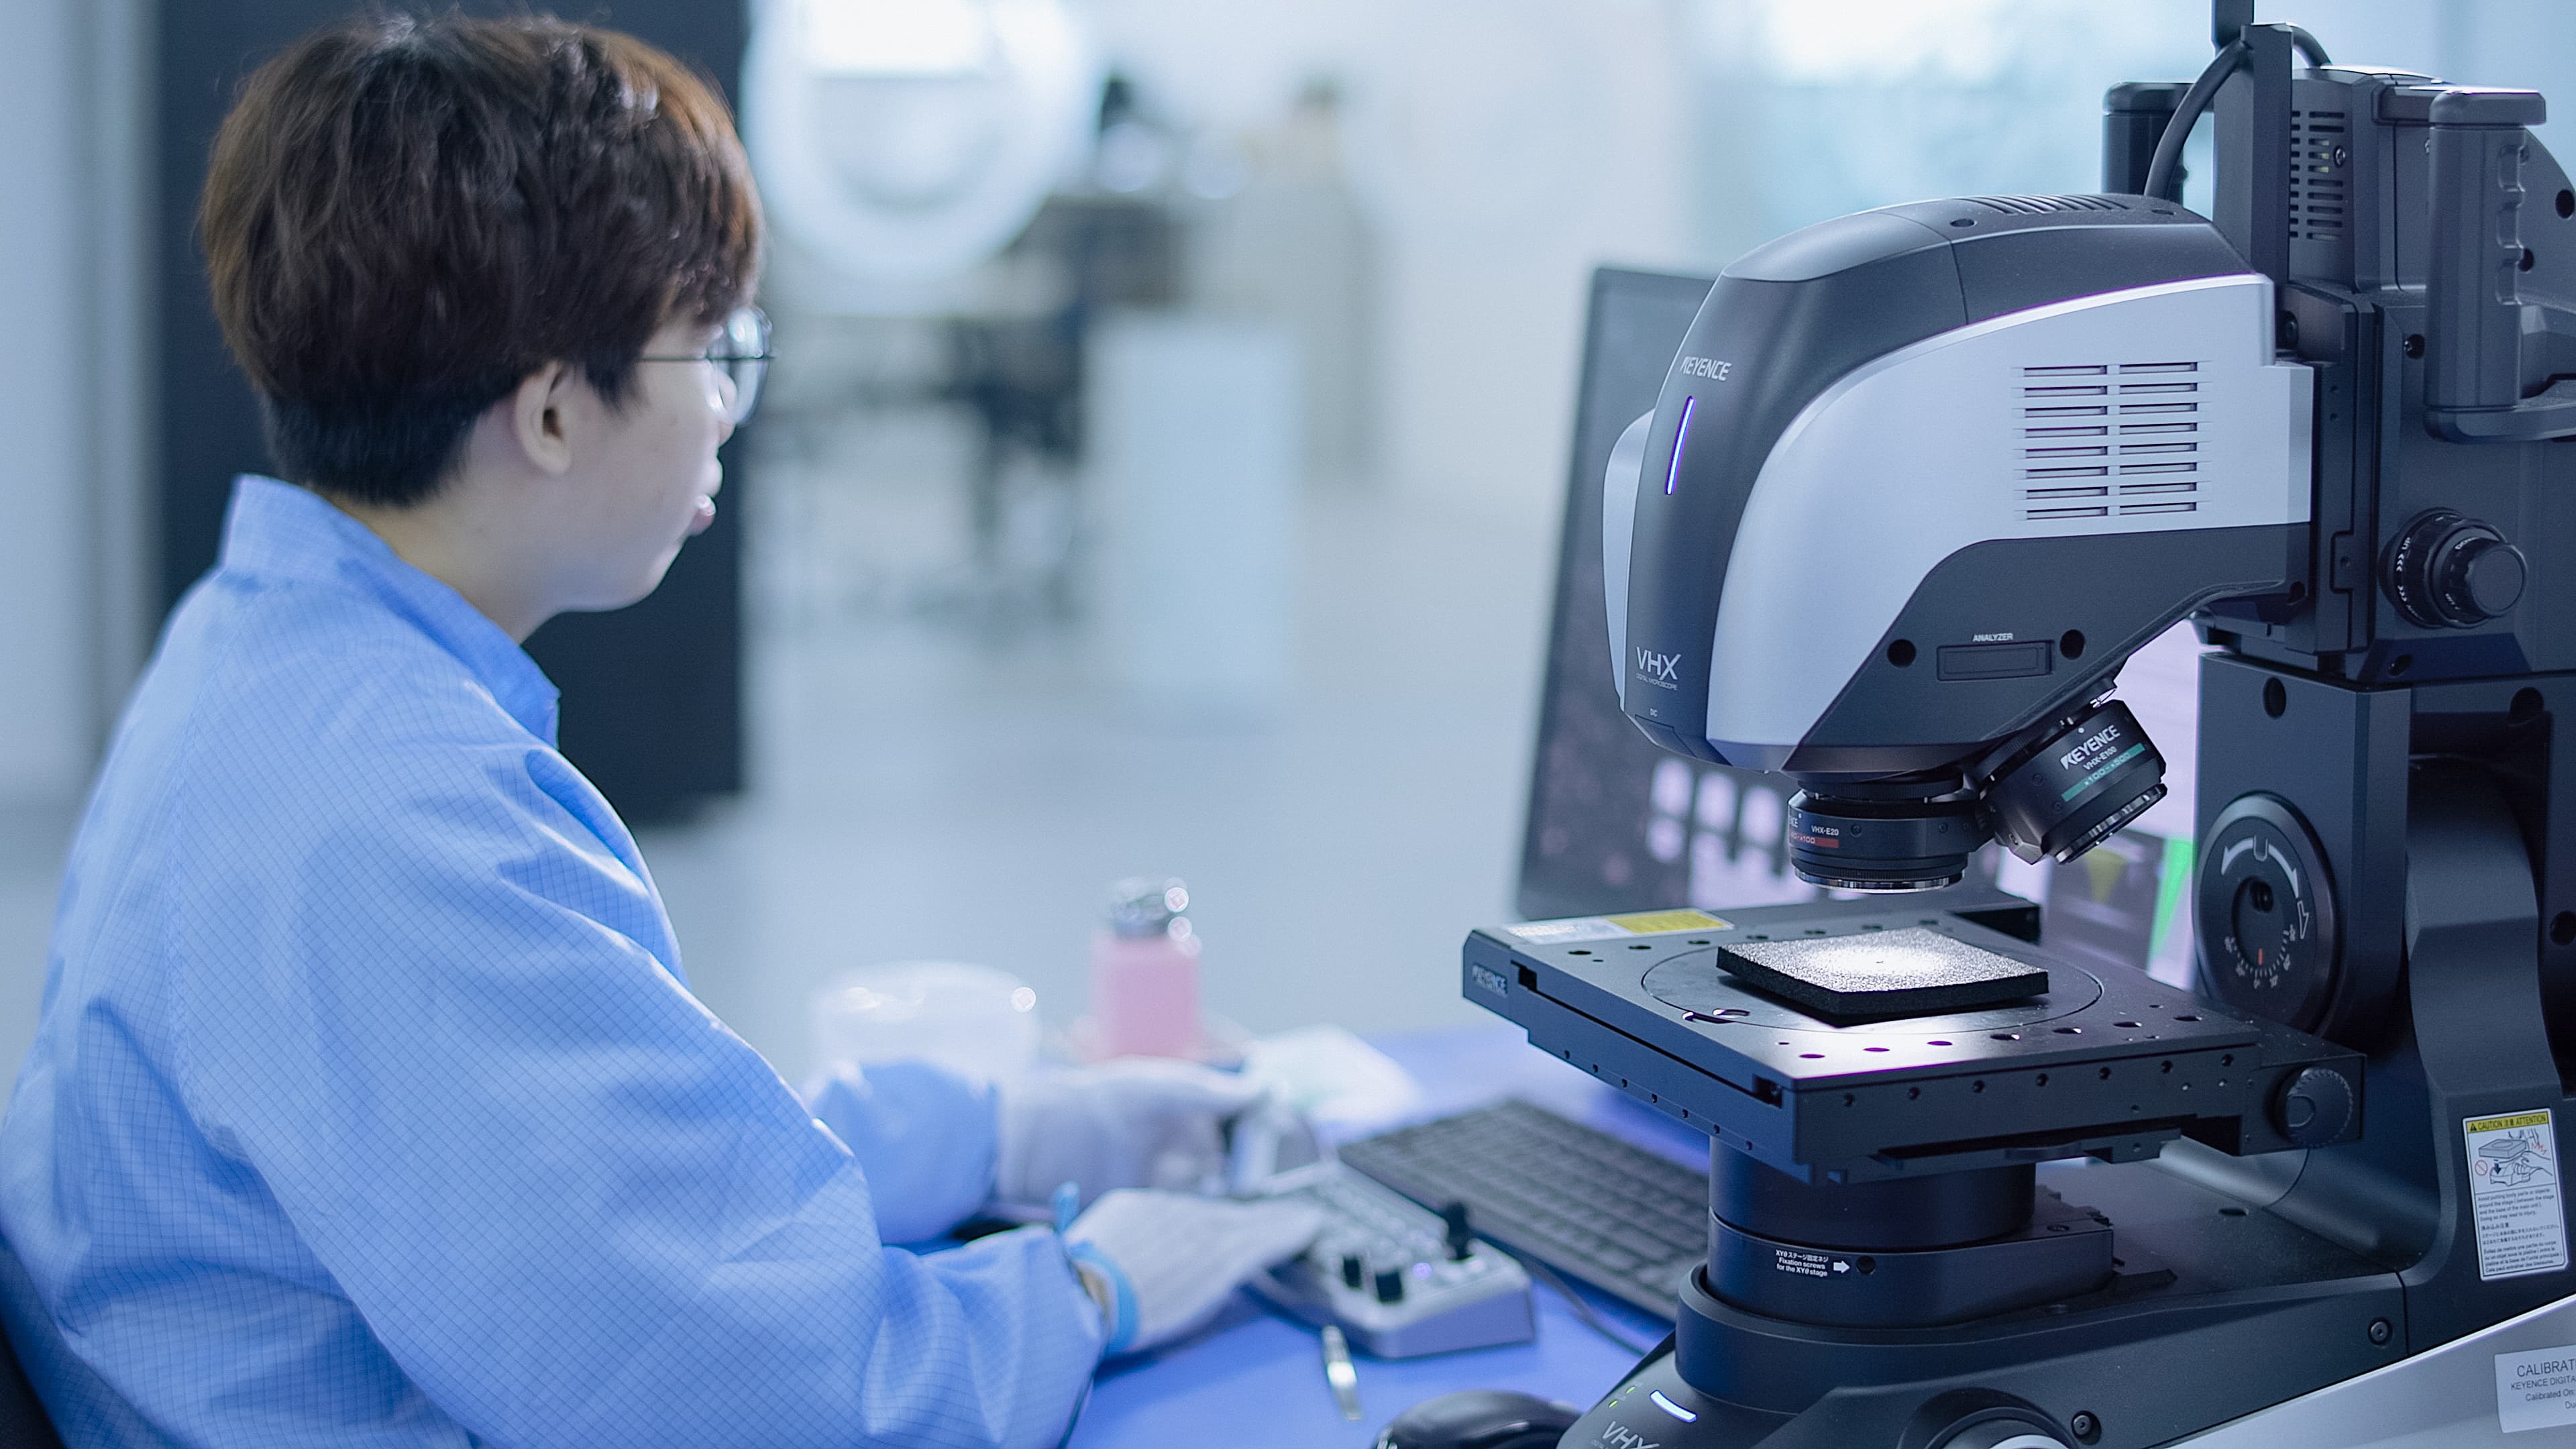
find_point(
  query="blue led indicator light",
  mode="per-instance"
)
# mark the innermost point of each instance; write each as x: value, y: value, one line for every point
x: 1681, y: 440
x: 1665, y: 1404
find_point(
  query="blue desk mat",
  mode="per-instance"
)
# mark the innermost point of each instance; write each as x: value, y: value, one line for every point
x: 1257, y: 1380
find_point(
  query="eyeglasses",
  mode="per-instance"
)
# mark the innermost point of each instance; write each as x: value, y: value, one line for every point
x: 740, y: 355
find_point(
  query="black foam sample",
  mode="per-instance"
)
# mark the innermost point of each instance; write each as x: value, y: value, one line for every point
x: 1882, y: 974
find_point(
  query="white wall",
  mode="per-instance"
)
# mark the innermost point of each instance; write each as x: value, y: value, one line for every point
x: 46, y: 709
x: 2529, y: 43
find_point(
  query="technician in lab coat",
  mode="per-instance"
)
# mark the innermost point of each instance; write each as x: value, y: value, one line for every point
x: 370, y: 1105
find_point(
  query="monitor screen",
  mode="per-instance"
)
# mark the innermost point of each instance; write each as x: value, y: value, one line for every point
x: 1616, y: 824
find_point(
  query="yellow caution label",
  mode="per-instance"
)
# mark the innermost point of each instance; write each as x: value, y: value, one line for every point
x: 2506, y: 1124
x: 2514, y: 1190
x: 1652, y: 923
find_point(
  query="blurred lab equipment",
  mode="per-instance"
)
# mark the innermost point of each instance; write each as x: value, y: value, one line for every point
x: 975, y: 1021
x: 903, y: 140
x: 1277, y: 233
x: 1172, y: 1259
x: 1145, y: 973
x: 1004, y: 306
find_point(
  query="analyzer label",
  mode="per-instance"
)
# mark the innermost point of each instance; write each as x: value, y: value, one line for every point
x: 2514, y: 1192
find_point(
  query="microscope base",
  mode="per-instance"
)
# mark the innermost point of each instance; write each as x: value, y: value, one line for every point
x: 2239, y: 1312
x: 2444, y: 1398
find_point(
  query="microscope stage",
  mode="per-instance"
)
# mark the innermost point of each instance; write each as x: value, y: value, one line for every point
x: 2105, y: 1062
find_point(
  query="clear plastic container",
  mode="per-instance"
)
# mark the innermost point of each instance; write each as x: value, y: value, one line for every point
x: 974, y: 1020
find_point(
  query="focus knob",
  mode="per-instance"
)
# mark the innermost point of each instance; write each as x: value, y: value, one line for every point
x: 2480, y: 579
x: 2446, y: 571
x: 2313, y: 1108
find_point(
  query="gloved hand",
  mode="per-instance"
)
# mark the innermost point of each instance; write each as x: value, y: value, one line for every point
x: 1140, y: 1122
x: 923, y: 1135
x: 1167, y: 1260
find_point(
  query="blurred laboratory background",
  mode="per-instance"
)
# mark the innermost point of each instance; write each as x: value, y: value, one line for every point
x: 1162, y: 470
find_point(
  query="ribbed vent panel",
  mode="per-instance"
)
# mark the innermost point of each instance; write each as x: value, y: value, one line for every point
x: 2040, y: 205
x: 2320, y: 175
x: 2105, y: 438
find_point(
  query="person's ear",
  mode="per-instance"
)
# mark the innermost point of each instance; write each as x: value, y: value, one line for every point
x: 540, y: 417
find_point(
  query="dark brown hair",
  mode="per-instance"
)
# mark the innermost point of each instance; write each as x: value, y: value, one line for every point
x: 405, y: 217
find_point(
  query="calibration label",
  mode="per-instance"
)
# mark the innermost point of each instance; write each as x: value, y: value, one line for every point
x: 2513, y: 1190
x: 2536, y: 1390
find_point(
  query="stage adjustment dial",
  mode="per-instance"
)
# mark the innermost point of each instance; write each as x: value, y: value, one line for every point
x: 2447, y: 571
x: 2266, y: 914
x: 2314, y: 1107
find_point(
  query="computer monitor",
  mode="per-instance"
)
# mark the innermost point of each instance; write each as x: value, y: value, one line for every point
x: 1616, y: 824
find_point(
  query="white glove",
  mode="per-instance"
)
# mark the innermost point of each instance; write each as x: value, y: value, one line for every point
x: 1142, y: 1122
x: 1166, y: 1261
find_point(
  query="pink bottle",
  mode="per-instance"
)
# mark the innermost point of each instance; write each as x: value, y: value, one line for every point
x: 1145, y: 973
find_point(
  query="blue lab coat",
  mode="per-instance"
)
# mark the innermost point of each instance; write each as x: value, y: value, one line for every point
x: 370, y: 1106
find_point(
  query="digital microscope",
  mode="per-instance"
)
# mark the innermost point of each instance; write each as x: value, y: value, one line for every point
x: 1918, y: 483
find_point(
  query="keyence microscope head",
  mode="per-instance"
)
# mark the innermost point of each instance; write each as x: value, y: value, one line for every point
x: 1922, y: 478
x: 1918, y: 483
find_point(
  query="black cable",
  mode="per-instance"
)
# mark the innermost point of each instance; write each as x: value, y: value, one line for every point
x: 2186, y: 114
x: 1582, y: 1310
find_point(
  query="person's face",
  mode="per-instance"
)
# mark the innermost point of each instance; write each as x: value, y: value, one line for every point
x: 646, y: 478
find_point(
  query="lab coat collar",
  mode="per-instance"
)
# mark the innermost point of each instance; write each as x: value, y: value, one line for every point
x: 276, y: 530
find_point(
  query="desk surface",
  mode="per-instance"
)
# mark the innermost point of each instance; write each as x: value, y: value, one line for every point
x: 1258, y: 1380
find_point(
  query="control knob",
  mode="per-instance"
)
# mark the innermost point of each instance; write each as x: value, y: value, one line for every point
x: 2447, y: 571
x: 1458, y: 1232
x: 2314, y: 1107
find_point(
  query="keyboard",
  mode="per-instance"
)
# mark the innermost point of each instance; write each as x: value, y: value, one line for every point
x: 1614, y: 1215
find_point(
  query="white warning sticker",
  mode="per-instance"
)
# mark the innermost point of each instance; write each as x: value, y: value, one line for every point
x: 1559, y: 933
x: 2536, y: 1390
x: 1804, y: 1264
x: 2513, y: 1190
